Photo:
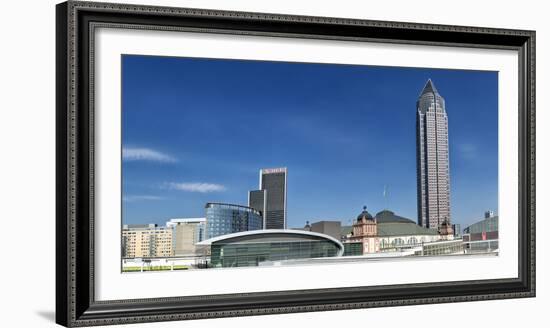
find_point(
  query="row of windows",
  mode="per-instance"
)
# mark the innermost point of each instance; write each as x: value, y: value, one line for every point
x: 490, y: 224
x: 221, y: 221
x: 255, y: 253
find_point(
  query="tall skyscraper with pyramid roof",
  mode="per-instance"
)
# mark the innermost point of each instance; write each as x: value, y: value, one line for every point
x: 432, y: 153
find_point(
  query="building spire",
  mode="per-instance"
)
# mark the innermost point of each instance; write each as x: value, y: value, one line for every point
x: 429, y: 88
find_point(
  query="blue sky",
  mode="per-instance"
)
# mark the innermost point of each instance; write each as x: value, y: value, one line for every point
x: 199, y: 130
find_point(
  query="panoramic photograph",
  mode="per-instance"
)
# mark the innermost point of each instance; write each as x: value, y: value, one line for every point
x: 240, y: 163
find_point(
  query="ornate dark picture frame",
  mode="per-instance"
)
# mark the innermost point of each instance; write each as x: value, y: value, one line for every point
x: 75, y: 301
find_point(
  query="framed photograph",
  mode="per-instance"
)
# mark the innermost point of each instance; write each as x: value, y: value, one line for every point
x: 215, y: 163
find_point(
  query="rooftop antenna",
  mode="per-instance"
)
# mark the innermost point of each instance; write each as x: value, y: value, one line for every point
x: 385, y: 195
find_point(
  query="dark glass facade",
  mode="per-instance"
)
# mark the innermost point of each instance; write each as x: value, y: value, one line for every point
x: 223, y: 219
x: 353, y: 249
x: 273, y: 181
x: 257, y: 200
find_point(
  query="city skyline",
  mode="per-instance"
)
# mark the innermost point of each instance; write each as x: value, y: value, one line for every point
x: 290, y: 119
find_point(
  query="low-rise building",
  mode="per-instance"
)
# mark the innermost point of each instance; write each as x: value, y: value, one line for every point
x: 187, y: 232
x: 482, y: 235
x: 331, y: 228
x: 146, y: 240
x: 250, y: 248
x: 387, y: 231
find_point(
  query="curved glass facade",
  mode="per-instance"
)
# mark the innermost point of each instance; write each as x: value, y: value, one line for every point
x: 486, y: 225
x: 483, y: 235
x: 223, y: 219
x: 253, y: 249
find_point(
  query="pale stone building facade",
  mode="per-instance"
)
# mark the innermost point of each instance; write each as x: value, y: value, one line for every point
x: 365, y: 231
x: 187, y: 232
x: 386, y: 232
x: 146, y: 240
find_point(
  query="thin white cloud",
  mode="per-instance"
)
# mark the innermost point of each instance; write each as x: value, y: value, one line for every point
x: 201, y: 187
x: 135, y: 198
x: 145, y: 154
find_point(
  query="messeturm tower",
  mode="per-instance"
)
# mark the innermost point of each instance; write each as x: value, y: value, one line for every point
x: 432, y: 153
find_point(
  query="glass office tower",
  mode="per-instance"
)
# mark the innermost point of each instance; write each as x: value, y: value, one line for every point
x: 257, y: 201
x: 223, y: 219
x: 273, y: 181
